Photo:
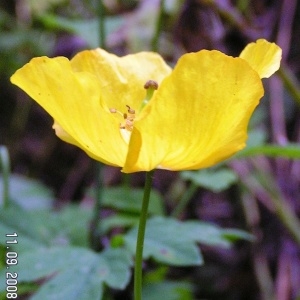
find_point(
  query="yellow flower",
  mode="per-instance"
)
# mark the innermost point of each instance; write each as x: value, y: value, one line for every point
x: 196, y: 118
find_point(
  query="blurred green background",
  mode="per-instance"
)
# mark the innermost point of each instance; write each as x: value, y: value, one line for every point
x: 258, y: 190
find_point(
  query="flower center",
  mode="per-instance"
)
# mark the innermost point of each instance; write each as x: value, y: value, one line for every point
x: 126, y: 126
x: 128, y: 118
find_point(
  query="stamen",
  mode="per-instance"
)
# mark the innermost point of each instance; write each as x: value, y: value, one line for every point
x: 128, y: 117
x: 130, y: 110
x: 115, y: 111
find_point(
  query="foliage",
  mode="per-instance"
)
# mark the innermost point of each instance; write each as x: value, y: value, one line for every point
x: 52, y: 246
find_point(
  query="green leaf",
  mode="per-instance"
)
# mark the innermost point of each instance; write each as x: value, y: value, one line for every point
x: 206, y: 233
x: 33, y: 229
x: 72, y: 283
x: 155, y: 282
x: 38, y: 43
x: 86, y: 29
x: 171, y: 291
x: 215, y: 180
x: 130, y: 200
x: 117, y: 272
x: 40, y: 229
x: 232, y: 234
x: 175, y: 243
x: 73, y: 273
x: 73, y: 222
x: 213, y: 235
x: 291, y: 151
x: 39, y: 7
x: 167, y: 241
x: 28, y: 193
x: 122, y: 220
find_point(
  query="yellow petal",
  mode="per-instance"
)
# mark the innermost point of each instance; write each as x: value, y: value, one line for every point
x: 62, y: 134
x: 122, y: 79
x: 263, y: 57
x: 198, y: 116
x: 75, y: 101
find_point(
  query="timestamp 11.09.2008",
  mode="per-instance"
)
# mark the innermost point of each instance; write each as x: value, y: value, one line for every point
x: 11, y: 261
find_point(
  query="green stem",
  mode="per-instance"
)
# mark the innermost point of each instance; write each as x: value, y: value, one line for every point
x: 126, y: 182
x: 189, y: 193
x: 95, y: 231
x: 5, y: 166
x: 288, y: 218
x: 282, y: 209
x: 102, y: 33
x: 290, y: 82
x: 140, y: 238
x: 154, y: 44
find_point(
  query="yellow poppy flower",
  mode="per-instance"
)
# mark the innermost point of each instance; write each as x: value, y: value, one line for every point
x: 197, y: 117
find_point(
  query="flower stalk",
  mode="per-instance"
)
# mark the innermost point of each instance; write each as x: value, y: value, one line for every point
x: 141, y: 237
x: 189, y: 193
x: 95, y: 230
x: 158, y: 27
x: 5, y: 167
x: 102, y: 33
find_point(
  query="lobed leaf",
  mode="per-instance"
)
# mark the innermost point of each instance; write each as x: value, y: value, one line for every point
x: 168, y: 290
x: 39, y: 229
x: 216, y: 180
x: 166, y: 241
x: 28, y: 193
x: 130, y: 200
x: 88, y: 30
x: 73, y: 273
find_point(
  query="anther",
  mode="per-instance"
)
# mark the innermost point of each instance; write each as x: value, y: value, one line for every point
x: 130, y: 110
